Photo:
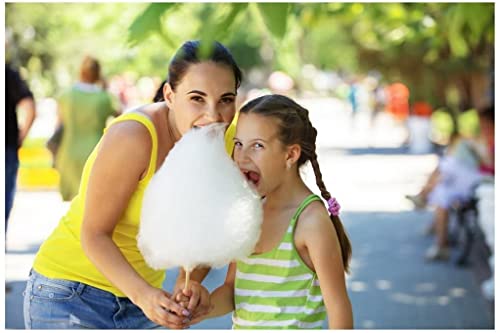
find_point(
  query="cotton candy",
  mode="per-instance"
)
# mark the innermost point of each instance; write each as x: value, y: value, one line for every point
x: 198, y: 208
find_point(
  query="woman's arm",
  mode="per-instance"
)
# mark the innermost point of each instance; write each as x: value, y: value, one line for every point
x: 121, y: 161
x: 323, y: 247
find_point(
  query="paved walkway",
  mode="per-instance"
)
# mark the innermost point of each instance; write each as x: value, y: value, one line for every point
x: 391, y: 286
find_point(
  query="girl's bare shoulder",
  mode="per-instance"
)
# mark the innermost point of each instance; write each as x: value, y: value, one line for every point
x: 314, y: 218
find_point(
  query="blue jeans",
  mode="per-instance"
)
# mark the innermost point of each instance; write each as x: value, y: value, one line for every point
x: 63, y: 304
x: 11, y: 166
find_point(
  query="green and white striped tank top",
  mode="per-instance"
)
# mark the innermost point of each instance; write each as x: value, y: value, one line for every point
x: 276, y: 289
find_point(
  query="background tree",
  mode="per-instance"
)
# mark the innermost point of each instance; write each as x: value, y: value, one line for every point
x: 442, y: 51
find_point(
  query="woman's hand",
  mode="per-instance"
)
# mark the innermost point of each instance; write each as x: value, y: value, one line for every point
x: 196, y: 297
x: 158, y: 306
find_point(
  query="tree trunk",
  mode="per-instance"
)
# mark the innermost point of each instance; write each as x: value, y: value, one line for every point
x: 479, y: 85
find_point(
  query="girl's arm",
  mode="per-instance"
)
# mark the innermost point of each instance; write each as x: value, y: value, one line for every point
x: 121, y: 161
x: 323, y: 247
x: 222, y: 298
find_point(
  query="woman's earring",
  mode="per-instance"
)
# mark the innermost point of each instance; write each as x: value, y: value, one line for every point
x: 288, y: 165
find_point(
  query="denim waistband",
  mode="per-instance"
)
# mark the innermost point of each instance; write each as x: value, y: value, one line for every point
x: 79, y: 287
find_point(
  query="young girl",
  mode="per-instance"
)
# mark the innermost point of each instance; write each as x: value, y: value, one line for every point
x: 296, y: 275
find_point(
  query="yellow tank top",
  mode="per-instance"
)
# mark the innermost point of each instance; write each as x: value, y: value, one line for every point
x: 61, y: 255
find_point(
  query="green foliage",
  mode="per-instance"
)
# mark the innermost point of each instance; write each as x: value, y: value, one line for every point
x: 148, y: 22
x: 442, y: 126
x: 275, y: 16
x: 428, y: 46
x: 49, y: 48
x: 468, y: 123
x: 457, y: 42
x: 223, y: 18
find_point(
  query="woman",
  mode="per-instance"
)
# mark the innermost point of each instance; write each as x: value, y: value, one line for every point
x: 83, y: 111
x: 89, y: 272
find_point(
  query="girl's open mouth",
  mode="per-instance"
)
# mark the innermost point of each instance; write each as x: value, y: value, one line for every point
x: 252, y: 176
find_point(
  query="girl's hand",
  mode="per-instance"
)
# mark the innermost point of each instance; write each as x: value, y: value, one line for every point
x: 196, y: 297
x: 181, y: 299
x: 159, y: 308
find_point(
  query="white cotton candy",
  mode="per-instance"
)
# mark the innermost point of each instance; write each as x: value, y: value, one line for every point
x: 198, y: 209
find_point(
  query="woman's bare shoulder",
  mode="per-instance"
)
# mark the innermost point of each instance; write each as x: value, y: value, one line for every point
x: 128, y: 132
x: 128, y: 141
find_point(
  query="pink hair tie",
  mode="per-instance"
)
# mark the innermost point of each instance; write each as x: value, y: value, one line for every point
x: 333, y: 207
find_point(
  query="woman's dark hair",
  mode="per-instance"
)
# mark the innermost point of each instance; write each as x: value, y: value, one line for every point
x: 296, y: 128
x: 190, y: 53
x: 159, y: 93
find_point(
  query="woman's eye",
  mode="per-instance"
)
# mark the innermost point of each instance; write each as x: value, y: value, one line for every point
x: 258, y: 145
x: 227, y: 100
x: 237, y: 144
x: 197, y: 99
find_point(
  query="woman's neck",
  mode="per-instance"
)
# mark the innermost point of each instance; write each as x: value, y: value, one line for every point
x: 172, y: 127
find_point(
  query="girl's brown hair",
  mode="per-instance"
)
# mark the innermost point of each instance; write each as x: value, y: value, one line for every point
x: 296, y: 128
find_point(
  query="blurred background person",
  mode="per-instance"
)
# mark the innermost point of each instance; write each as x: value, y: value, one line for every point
x: 398, y: 105
x: 466, y: 164
x: 420, y: 127
x: 82, y: 111
x: 486, y: 196
x: 17, y: 97
x: 352, y: 96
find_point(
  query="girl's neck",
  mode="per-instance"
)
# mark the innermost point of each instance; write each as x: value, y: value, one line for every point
x: 291, y: 192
